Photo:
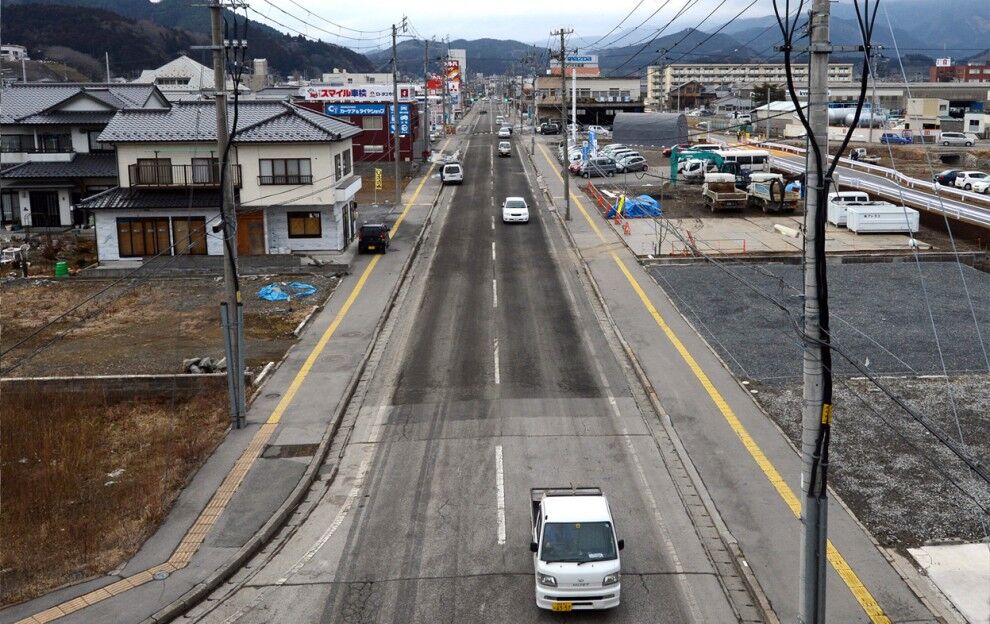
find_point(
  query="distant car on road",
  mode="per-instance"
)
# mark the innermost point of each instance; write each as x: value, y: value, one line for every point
x: 515, y: 210
x: 947, y: 177
x: 373, y: 237
x: 482, y: 112
x: 500, y: 120
x: 504, y: 148
x: 504, y: 132
x: 975, y: 181
x: 548, y: 128
x: 894, y: 139
x: 452, y: 173
x: 957, y: 138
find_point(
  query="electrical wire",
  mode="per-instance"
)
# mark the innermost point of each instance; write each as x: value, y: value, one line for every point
x: 592, y: 45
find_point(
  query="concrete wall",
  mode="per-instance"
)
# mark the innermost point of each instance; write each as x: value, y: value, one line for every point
x: 106, y: 229
x: 114, y: 388
x: 331, y: 220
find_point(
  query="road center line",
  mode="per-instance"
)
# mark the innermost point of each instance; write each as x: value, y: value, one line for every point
x: 494, y: 293
x: 496, y: 362
x: 493, y: 251
x: 845, y: 572
x: 499, y: 494
x: 493, y: 216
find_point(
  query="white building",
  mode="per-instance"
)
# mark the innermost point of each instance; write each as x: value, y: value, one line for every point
x: 661, y: 79
x: 292, y: 170
x: 182, y: 79
x: 10, y: 52
x: 339, y: 78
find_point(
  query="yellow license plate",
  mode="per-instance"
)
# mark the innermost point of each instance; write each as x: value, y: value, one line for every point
x: 371, y: 247
x: 562, y: 606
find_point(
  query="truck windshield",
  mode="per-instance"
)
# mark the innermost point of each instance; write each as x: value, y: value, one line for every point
x: 578, y: 542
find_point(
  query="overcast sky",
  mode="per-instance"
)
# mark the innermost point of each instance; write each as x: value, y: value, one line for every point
x: 524, y: 20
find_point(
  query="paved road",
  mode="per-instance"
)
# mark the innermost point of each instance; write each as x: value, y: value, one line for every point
x: 496, y: 352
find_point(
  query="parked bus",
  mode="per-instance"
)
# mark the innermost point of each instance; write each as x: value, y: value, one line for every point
x: 746, y: 159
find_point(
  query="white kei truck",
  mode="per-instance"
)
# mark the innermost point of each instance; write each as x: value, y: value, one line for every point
x: 575, y: 550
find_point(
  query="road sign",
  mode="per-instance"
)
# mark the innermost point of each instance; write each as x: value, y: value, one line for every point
x: 378, y: 179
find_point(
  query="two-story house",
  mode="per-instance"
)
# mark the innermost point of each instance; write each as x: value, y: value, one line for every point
x: 292, y: 171
x: 49, y: 148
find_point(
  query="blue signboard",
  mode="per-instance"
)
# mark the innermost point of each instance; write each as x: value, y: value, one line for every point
x: 354, y: 109
x: 404, y: 120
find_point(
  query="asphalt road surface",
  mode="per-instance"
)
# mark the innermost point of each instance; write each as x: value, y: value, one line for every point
x: 497, y: 377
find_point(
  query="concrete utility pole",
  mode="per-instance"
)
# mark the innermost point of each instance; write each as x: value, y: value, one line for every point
x: 235, y: 374
x: 563, y: 120
x: 24, y: 73
x: 817, y: 414
x: 396, y: 134
x: 443, y: 73
x: 106, y: 56
x: 426, y: 100
x: 768, y: 112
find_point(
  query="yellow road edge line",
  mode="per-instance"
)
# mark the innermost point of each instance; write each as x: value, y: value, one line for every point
x: 842, y: 568
x: 191, y: 541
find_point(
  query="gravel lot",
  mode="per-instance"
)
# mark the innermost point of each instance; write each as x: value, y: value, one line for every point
x: 899, y: 480
x: 878, y: 315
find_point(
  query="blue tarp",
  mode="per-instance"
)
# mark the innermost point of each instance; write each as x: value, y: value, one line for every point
x: 277, y: 292
x: 636, y: 207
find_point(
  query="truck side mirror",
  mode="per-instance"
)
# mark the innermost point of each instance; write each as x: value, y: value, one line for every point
x: 534, y: 547
x: 622, y: 544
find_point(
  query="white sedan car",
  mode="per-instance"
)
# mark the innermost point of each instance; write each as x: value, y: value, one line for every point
x: 515, y: 210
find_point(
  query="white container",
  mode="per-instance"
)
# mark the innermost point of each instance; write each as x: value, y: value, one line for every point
x: 837, y: 203
x: 881, y: 217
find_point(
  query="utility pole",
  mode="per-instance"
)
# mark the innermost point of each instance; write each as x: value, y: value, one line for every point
x: 426, y: 100
x: 817, y: 412
x: 443, y: 72
x: 24, y: 73
x: 106, y: 55
x: 234, y: 314
x: 396, y: 136
x: 768, y: 112
x: 563, y: 119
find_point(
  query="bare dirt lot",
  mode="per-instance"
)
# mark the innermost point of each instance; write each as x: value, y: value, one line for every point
x: 142, y: 326
x: 900, y: 481
x: 85, y: 482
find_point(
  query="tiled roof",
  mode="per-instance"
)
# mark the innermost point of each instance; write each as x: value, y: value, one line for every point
x: 257, y: 121
x: 119, y: 198
x: 68, y: 117
x: 82, y: 166
x: 22, y: 100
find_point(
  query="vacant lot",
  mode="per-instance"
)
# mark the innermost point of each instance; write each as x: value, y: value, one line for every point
x: 900, y: 481
x: 140, y: 326
x: 85, y: 483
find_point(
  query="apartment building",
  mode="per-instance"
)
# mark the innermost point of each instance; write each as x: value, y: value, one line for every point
x: 292, y: 170
x: 970, y: 72
x: 661, y: 79
x: 599, y: 98
x: 51, y: 156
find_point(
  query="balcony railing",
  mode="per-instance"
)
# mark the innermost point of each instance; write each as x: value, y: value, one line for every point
x: 179, y: 176
x: 271, y: 180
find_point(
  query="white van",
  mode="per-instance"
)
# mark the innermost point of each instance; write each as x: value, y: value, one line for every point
x: 452, y: 173
x: 575, y: 549
x: 837, y: 203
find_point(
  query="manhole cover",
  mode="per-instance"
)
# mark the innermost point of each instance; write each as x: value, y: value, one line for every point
x: 161, y: 575
x: 282, y: 451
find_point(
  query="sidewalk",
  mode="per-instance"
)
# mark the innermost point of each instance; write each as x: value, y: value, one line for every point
x: 746, y: 463
x: 257, y: 473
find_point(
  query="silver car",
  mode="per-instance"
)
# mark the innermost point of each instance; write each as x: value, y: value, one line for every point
x: 957, y: 138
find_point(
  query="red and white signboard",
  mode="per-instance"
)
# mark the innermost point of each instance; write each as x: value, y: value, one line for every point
x: 357, y: 93
x: 943, y: 62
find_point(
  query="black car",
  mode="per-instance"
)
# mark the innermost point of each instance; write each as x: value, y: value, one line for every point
x: 373, y: 237
x: 947, y: 177
x: 482, y: 112
x: 549, y: 128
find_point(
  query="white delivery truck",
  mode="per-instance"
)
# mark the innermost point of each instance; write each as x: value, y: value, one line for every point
x: 575, y: 549
x: 838, y: 201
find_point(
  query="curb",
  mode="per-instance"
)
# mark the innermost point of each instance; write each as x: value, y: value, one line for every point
x: 201, y: 591
x: 755, y: 591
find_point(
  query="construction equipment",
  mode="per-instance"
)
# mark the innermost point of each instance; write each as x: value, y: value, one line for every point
x: 720, y: 192
x: 767, y: 191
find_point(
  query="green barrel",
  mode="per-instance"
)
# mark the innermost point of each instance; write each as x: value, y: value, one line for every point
x: 61, y: 268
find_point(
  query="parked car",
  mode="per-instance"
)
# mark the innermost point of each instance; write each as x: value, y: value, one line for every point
x: 452, y: 173
x: 515, y: 210
x: 600, y: 131
x: 504, y: 148
x: 573, y: 128
x: 975, y: 181
x: 373, y: 237
x: 957, y: 138
x: 575, y: 166
x: 894, y: 139
x: 623, y: 153
x: 630, y: 163
x: 947, y: 177
x: 598, y: 166
x: 681, y: 146
x: 548, y: 128
x: 611, y: 148
x: 504, y: 132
